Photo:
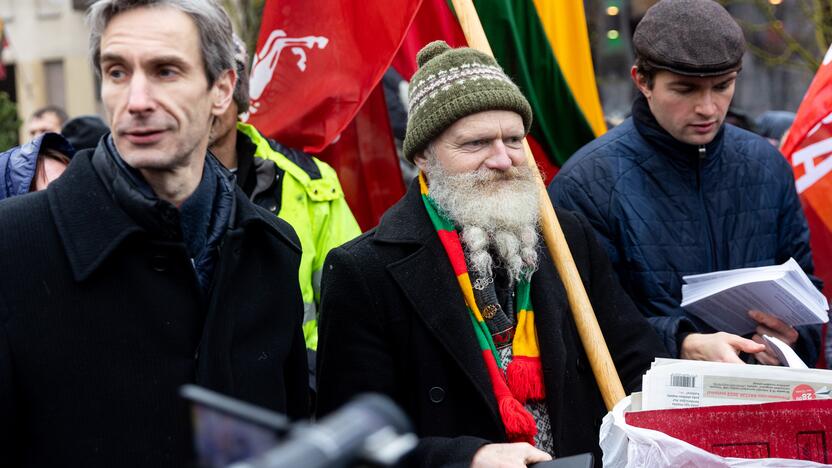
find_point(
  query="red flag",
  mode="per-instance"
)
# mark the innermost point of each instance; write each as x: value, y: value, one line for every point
x: 366, y: 161
x: 316, y: 63
x: 808, y: 147
x: 433, y: 22
x: 544, y: 163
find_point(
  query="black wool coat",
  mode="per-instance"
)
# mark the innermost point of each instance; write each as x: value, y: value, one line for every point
x: 393, y: 321
x: 101, y: 322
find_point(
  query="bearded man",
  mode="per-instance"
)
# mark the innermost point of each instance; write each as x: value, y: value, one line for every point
x: 452, y: 307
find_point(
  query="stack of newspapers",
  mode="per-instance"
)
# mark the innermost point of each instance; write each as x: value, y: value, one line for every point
x: 722, y: 299
x: 676, y: 383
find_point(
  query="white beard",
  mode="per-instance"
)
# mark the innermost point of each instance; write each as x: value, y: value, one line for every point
x: 494, y: 211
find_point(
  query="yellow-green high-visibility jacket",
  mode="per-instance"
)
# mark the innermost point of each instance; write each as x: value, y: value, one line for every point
x: 303, y: 191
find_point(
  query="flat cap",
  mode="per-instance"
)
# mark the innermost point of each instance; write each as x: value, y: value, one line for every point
x: 690, y: 37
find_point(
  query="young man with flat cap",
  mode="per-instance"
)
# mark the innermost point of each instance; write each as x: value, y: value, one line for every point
x: 675, y: 191
x: 452, y: 307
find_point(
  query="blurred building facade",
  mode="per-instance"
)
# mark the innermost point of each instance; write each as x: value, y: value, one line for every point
x: 46, y: 58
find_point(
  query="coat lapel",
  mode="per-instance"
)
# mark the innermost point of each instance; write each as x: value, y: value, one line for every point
x: 90, y: 223
x: 428, y: 281
x: 551, y: 320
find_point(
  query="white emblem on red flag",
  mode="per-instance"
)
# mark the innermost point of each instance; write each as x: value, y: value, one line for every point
x: 267, y: 58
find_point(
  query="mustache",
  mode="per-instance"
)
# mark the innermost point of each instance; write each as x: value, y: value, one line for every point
x: 482, y: 178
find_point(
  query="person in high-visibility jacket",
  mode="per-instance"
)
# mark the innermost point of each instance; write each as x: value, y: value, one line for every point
x: 300, y: 189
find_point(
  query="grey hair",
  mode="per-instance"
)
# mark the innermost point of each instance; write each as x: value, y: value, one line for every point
x: 430, y: 150
x: 211, y: 21
x: 241, y: 96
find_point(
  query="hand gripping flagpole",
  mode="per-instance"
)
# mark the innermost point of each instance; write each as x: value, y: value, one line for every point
x: 591, y: 337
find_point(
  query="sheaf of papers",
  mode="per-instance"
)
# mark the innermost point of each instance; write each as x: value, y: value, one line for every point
x: 677, y: 383
x: 723, y: 298
x: 784, y: 352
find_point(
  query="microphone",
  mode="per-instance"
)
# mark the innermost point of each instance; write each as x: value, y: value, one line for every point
x: 370, y: 428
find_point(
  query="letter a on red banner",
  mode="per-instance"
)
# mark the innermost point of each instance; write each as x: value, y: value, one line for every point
x: 808, y: 147
x: 316, y: 63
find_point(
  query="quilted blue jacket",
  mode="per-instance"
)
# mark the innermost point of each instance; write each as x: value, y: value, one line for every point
x: 18, y: 164
x: 664, y: 209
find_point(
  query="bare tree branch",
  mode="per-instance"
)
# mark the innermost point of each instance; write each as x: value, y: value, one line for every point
x: 246, y: 16
x: 795, y: 52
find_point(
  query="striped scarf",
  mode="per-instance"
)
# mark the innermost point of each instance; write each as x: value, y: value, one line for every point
x: 523, y: 379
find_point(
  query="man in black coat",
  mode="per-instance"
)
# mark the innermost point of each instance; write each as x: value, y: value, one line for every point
x: 142, y: 268
x: 395, y: 319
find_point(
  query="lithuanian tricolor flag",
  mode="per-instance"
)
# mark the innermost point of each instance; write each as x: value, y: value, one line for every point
x: 543, y: 45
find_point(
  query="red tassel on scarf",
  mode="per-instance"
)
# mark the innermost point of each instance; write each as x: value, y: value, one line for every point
x: 520, y: 425
x: 525, y: 378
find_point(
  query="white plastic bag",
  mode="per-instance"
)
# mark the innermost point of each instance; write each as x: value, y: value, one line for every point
x: 626, y: 446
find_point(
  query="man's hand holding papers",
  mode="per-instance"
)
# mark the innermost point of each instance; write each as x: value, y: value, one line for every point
x: 759, y: 301
x: 772, y: 326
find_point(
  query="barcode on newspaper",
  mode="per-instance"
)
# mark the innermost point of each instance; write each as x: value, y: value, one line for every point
x: 682, y: 380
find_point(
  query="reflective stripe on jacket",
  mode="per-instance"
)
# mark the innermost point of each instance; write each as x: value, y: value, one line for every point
x: 311, y: 200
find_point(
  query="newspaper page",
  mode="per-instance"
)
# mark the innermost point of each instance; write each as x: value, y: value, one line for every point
x: 672, y: 383
x: 723, y: 298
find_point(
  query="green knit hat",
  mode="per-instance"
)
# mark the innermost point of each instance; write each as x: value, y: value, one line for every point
x: 454, y: 83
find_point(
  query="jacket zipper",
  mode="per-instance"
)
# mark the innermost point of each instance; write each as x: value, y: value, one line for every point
x: 708, y: 227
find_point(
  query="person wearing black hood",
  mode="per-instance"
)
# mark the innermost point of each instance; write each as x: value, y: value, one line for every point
x: 675, y: 190
x: 32, y: 166
x: 84, y: 131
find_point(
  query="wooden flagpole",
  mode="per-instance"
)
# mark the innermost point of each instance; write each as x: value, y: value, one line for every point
x: 591, y: 337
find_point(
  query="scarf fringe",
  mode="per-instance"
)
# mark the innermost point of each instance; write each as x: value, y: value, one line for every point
x: 524, y: 376
x: 520, y: 425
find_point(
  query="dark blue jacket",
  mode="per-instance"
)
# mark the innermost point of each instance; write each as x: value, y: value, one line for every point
x: 663, y: 210
x: 18, y: 164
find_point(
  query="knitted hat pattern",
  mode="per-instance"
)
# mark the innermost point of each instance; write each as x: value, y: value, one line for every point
x: 454, y: 83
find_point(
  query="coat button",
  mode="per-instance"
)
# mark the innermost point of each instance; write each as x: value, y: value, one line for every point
x: 437, y: 394
x: 159, y: 263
